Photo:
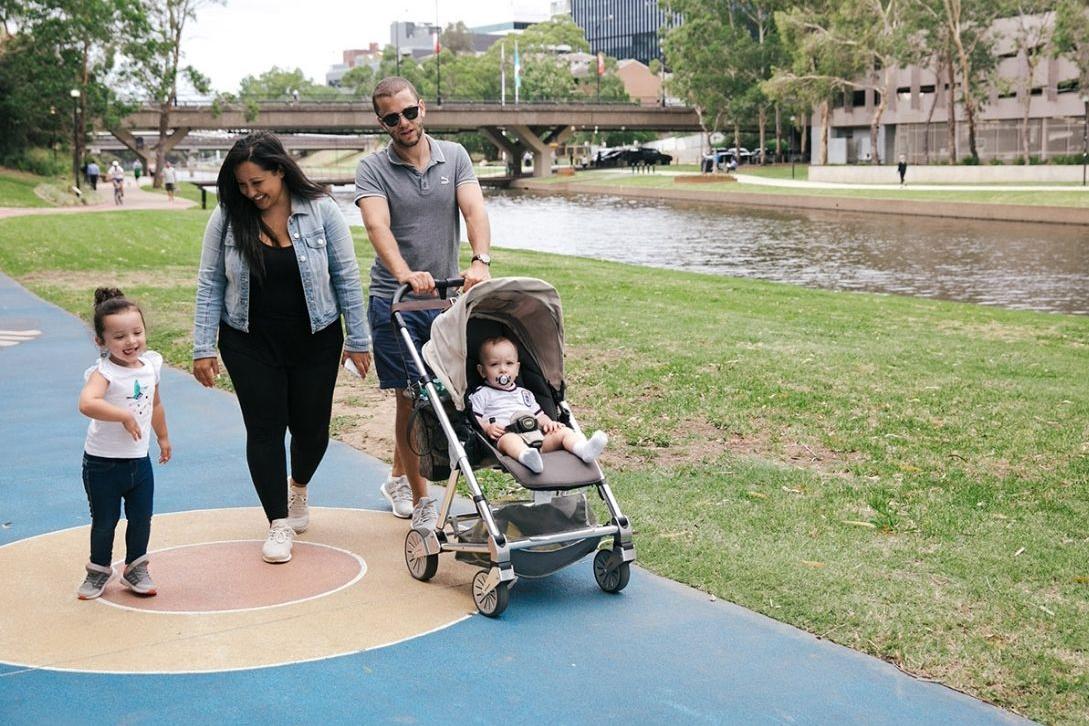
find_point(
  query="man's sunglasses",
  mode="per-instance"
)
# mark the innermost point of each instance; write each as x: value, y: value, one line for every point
x: 392, y: 119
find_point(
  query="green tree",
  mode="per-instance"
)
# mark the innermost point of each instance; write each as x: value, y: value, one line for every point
x: 456, y: 38
x: 1072, y: 37
x: 281, y: 84
x: 54, y: 47
x: 1033, y: 38
x: 158, y: 64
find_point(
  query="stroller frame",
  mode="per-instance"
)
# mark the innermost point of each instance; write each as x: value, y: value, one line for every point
x: 491, y: 585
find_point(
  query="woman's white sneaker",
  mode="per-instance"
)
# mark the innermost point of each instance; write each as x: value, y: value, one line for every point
x: 277, y: 547
x: 298, y: 512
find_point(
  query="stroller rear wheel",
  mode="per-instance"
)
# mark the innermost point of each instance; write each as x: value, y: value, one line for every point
x: 610, y: 570
x: 421, y: 565
x: 492, y: 604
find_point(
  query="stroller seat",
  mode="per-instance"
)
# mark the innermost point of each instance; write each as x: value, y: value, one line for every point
x: 562, y: 471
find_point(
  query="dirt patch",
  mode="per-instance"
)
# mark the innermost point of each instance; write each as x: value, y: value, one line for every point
x: 365, y: 414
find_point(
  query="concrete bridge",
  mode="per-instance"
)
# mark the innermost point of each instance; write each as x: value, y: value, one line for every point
x: 536, y: 128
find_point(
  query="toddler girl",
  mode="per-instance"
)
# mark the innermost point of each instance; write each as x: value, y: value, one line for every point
x: 121, y: 397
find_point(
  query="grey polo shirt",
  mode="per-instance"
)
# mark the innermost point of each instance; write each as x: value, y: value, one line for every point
x: 423, y: 208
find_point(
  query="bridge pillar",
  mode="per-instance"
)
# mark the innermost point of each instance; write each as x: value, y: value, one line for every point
x: 513, y: 149
x: 540, y: 142
x: 148, y: 155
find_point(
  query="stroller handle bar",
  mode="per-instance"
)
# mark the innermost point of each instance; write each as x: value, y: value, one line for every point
x: 441, y: 285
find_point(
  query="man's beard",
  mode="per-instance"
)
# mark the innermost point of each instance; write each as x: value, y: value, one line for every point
x: 407, y: 145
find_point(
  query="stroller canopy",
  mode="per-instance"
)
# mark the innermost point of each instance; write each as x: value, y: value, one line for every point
x: 530, y: 308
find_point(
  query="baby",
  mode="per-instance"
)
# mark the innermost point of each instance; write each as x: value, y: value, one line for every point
x: 499, y: 400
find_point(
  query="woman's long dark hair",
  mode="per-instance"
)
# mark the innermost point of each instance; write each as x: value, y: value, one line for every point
x: 265, y: 150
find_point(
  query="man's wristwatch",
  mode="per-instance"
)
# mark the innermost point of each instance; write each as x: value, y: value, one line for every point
x: 483, y: 257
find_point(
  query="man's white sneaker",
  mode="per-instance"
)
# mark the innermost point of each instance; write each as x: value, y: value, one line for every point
x: 398, y: 493
x: 277, y: 547
x: 298, y: 513
x: 424, y: 515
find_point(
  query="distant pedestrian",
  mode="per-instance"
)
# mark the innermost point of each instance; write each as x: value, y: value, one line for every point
x: 902, y: 168
x: 170, y: 180
x: 93, y: 172
x: 121, y: 397
x: 137, y: 171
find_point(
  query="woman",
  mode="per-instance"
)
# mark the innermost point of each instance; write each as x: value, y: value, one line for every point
x: 277, y: 271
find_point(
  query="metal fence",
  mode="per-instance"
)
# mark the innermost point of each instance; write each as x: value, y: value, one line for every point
x: 1048, y: 138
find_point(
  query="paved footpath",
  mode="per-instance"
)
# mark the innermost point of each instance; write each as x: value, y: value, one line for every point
x: 342, y: 633
x: 135, y: 198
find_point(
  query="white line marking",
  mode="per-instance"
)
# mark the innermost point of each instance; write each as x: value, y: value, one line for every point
x: 357, y: 578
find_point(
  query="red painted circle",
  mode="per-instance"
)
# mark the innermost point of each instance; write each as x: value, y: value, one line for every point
x: 219, y: 576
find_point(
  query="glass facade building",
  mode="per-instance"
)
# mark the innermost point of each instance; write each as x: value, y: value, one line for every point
x: 624, y: 28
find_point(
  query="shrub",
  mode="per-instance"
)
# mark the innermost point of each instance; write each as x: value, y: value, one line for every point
x: 996, y: 162
x: 970, y: 161
x: 38, y: 161
x: 1066, y: 159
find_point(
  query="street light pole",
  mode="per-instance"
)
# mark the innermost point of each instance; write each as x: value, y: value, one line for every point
x: 1085, y: 137
x: 75, y: 94
x: 53, y: 130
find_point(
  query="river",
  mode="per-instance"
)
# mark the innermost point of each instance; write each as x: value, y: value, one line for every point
x: 1021, y: 266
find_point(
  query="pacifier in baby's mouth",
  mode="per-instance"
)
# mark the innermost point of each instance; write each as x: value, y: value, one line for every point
x: 503, y: 379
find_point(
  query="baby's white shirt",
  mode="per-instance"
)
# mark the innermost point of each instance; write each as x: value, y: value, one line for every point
x: 491, y: 403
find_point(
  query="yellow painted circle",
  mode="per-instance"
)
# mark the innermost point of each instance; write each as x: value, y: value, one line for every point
x: 47, y: 626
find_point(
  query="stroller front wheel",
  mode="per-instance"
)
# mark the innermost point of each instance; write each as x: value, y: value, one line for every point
x: 490, y: 603
x: 421, y: 565
x: 610, y: 570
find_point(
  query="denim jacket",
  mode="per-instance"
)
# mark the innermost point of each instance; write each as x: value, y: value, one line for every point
x: 327, y: 265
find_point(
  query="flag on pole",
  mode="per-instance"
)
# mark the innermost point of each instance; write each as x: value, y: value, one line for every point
x: 600, y: 63
x: 517, y: 72
x: 435, y: 40
x: 502, y: 75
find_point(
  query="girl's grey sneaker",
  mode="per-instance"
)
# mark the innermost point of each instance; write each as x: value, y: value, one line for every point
x: 97, y: 579
x: 277, y: 547
x: 398, y: 493
x: 137, y: 579
x: 298, y: 512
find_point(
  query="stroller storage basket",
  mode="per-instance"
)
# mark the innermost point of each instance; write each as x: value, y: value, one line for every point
x: 521, y: 519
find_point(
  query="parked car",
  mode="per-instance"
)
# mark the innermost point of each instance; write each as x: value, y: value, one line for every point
x: 647, y: 155
x: 609, y: 158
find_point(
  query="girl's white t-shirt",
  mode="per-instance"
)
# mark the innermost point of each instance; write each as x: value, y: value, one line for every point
x: 132, y: 389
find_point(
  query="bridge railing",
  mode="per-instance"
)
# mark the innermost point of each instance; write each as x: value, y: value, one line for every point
x: 197, y: 102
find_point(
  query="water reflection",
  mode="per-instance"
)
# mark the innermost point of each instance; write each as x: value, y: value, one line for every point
x: 1023, y: 266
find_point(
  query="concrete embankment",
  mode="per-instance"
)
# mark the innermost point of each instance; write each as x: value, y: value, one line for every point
x: 800, y: 201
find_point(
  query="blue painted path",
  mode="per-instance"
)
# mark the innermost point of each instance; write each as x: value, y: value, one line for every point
x: 563, y: 653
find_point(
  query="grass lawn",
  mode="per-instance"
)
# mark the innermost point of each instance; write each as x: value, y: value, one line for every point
x: 185, y: 190
x: 906, y: 477
x: 17, y: 189
x: 1057, y: 198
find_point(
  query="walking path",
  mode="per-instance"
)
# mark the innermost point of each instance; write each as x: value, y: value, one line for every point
x: 135, y: 198
x: 343, y: 633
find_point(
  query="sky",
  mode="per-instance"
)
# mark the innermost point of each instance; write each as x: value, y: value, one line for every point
x: 247, y: 37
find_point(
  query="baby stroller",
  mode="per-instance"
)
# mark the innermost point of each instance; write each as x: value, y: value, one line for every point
x: 523, y: 539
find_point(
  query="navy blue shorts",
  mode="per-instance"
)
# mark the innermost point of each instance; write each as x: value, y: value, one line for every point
x: 391, y: 361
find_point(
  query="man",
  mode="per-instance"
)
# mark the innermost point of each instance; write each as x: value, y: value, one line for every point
x: 410, y: 194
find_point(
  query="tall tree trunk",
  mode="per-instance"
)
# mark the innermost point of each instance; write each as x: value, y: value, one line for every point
x: 762, y: 119
x: 737, y: 140
x: 875, y: 122
x: 778, y: 134
x: 969, y: 102
x: 933, y: 105
x: 804, y: 141
x: 951, y: 126
x: 825, y: 118
x: 1026, y: 103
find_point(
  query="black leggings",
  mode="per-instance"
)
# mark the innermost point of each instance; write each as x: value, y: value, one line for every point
x: 284, y: 377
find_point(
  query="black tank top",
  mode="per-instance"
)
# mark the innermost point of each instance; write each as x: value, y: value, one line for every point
x: 278, y: 296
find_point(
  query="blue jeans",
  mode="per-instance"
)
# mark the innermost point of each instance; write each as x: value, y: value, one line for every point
x: 108, y: 482
x: 391, y: 361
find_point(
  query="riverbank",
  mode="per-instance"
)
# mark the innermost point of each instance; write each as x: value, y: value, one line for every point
x: 906, y: 477
x: 1054, y: 206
